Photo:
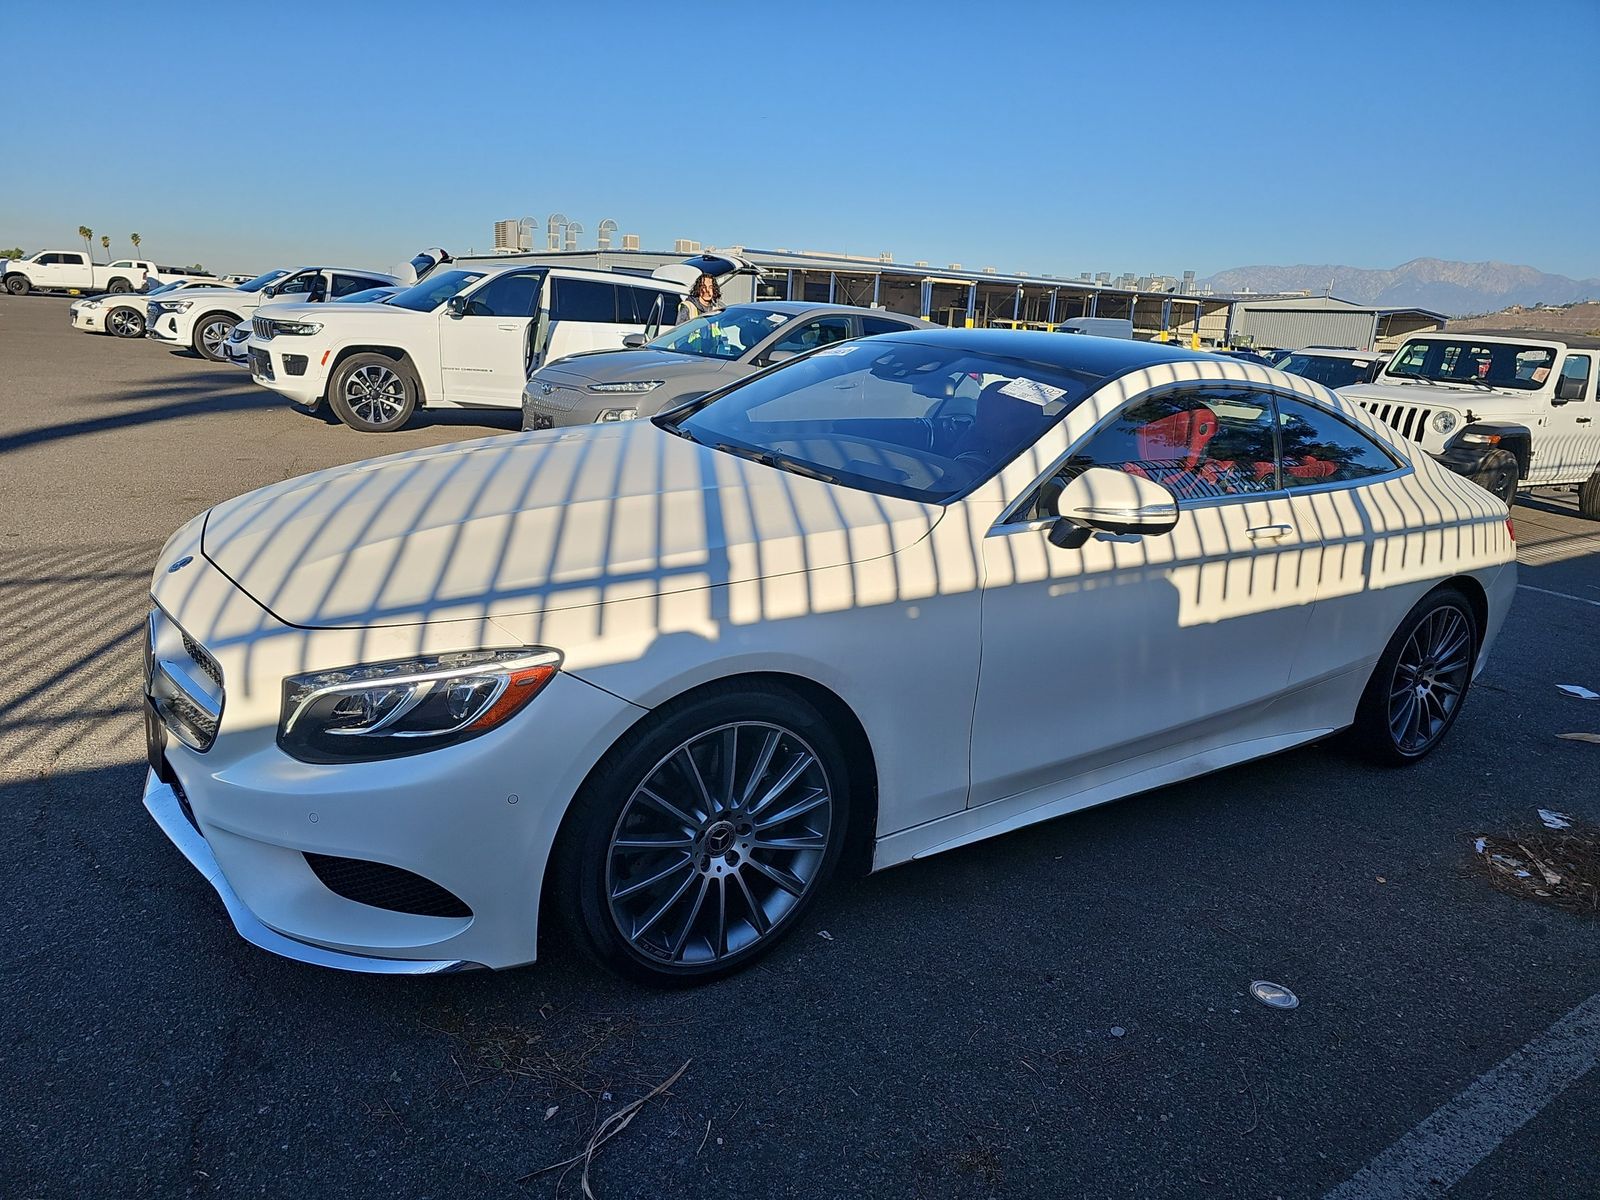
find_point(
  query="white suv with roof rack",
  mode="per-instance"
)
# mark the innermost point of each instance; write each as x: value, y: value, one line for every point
x: 1508, y: 410
x: 467, y: 337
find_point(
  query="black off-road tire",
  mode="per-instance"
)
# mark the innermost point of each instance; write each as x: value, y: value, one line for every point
x: 18, y: 285
x: 1380, y: 716
x: 373, y: 393
x: 1498, y: 474
x: 579, y: 885
x: 1589, y: 496
x: 119, y: 286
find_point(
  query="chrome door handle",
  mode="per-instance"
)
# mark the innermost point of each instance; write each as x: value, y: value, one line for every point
x: 509, y: 328
x: 1269, y: 532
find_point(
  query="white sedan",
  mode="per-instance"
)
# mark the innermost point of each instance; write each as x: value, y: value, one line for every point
x: 123, y: 314
x: 657, y: 679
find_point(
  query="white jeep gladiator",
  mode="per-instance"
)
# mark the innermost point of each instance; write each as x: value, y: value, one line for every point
x: 1507, y: 410
x: 72, y: 271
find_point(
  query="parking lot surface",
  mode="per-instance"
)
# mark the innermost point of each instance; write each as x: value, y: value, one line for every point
x: 1058, y: 1012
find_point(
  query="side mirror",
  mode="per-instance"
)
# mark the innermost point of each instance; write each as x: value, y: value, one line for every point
x: 457, y: 306
x: 778, y: 356
x: 1103, y: 500
x: 1569, y: 387
x: 269, y: 291
x: 633, y: 341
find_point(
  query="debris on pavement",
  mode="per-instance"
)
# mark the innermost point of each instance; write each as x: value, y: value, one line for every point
x: 1581, y: 737
x: 1555, y: 820
x: 1577, y: 691
x: 1274, y: 995
x: 1556, y: 862
x: 825, y: 935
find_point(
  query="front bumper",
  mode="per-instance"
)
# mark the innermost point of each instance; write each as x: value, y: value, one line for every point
x: 289, y: 367
x: 161, y: 801
x: 164, y: 328
x: 90, y: 320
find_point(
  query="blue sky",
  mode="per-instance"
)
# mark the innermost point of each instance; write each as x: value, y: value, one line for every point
x: 1050, y: 137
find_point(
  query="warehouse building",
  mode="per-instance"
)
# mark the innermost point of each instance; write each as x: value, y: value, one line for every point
x: 1294, y: 322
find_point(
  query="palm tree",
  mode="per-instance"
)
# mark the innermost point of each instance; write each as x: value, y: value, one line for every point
x: 135, y: 239
x: 105, y: 244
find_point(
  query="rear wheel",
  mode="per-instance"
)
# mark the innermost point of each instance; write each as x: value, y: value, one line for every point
x: 1497, y: 473
x: 125, y: 323
x: 118, y: 286
x: 374, y: 393
x: 1589, y: 496
x: 705, y: 835
x: 1417, y: 689
x: 17, y: 285
x: 211, y: 335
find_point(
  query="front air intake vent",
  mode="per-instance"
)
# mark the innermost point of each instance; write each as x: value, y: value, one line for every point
x: 382, y: 886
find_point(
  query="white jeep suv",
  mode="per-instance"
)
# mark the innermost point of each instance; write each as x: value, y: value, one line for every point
x: 1508, y: 410
x: 467, y: 337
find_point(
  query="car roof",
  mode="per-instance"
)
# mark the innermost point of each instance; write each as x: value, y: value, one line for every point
x: 1533, y: 337
x: 801, y: 308
x: 1340, y: 352
x: 603, y: 276
x: 1086, y: 353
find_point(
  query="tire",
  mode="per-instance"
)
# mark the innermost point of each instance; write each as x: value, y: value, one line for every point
x: 1589, y: 496
x: 118, y: 286
x: 1421, y: 681
x: 18, y: 285
x: 374, y: 393
x: 715, y: 895
x: 125, y: 322
x: 1498, y: 473
x: 211, y: 334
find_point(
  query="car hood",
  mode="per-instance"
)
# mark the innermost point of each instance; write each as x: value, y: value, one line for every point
x: 1442, y: 395
x: 532, y: 523
x: 203, y: 294
x: 625, y: 366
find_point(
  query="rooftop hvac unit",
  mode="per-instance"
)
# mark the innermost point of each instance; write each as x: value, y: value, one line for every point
x: 685, y: 246
x: 921, y: 262
x: 885, y: 257
x: 573, y: 230
x: 990, y: 271
x: 604, y: 232
x: 552, y: 229
x: 952, y: 266
x: 630, y: 241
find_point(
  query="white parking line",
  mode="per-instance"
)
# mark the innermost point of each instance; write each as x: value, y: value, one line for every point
x: 1456, y: 1137
x: 1547, y: 592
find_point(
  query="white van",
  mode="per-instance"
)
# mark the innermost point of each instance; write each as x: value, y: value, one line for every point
x: 1112, y: 327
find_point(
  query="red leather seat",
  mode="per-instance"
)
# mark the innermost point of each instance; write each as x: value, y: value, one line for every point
x: 1312, y: 468
x: 1180, y: 437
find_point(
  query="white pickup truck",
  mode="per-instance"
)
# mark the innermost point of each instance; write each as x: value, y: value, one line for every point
x: 72, y: 271
x: 1508, y: 410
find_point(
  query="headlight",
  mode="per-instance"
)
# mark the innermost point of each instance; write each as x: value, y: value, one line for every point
x: 616, y: 414
x: 1444, y: 422
x: 409, y: 705
x: 87, y: 304
x: 173, y: 305
x: 241, y: 333
x: 638, y: 385
x: 296, y: 328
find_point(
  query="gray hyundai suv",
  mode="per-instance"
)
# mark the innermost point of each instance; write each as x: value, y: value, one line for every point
x: 692, y: 359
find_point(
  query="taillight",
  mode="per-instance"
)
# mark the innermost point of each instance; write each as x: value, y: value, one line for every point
x: 1511, y: 528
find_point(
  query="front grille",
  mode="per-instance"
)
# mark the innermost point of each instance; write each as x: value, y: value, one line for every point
x: 203, y: 660
x: 1407, y: 420
x: 382, y: 886
x: 558, y: 399
x: 262, y: 326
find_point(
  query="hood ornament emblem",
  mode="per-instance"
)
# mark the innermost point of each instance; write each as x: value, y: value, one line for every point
x: 181, y: 563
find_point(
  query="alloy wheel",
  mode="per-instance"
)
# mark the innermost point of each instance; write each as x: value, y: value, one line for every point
x: 1430, y: 678
x: 375, y: 394
x: 125, y: 323
x: 718, y: 844
x: 212, y: 336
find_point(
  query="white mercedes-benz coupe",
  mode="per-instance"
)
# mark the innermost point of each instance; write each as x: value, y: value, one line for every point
x: 657, y: 679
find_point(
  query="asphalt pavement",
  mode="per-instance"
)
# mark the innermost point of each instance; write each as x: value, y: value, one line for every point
x: 1059, y: 1012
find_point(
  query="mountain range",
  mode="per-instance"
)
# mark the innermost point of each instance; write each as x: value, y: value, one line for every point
x: 1455, y: 288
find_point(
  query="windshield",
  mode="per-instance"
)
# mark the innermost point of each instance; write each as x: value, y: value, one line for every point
x: 727, y: 335
x: 925, y: 423
x: 375, y: 295
x: 1330, y: 372
x: 434, y: 290
x: 1488, y: 364
x: 261, y: 281
x: 162, y: 287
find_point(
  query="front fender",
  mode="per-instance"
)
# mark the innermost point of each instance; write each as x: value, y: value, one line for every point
x: 1466, y: 457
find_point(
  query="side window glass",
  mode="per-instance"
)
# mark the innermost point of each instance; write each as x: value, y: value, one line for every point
x: 297, y: 285
x: 824, y: 331
x: 348, y: 285
x: 1577, y: 367
x: 641, y: 306
x: 872, y: 325
x: 505, y: 296
x: 1200, y: 443
x: 584, y: 300
x: 1319, y: 448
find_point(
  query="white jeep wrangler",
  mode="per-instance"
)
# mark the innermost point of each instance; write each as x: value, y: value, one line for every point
x: 1507, y: 410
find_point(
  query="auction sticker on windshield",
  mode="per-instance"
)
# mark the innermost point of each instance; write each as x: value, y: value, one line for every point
x: 1034, y: 392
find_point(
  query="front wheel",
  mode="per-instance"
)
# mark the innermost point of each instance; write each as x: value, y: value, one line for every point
x: 1421, y: 680
x: 118, y: 286
x: 211, y: 335
x: 1589, y: 496
x: 1497, y: 473
x: 705, y: 835
x: 373, y: 393
x: 125, y: 323
x: 17, y: 285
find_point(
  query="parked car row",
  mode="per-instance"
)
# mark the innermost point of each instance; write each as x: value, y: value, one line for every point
x: 76, y: 271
